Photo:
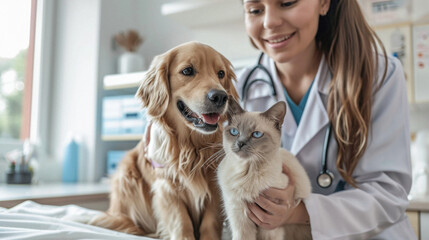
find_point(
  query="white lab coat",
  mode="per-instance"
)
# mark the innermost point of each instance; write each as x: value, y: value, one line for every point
x: 375, y: 210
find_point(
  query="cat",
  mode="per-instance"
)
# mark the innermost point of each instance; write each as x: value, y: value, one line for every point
x: 252, y: 163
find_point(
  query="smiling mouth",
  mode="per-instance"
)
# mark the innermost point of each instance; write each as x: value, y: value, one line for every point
x: 280, y: 39
x: 206, y: 121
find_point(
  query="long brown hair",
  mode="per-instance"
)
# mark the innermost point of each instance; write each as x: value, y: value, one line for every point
x: 351, y: 47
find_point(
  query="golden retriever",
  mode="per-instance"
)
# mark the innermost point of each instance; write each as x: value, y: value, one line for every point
x: 168, y: 191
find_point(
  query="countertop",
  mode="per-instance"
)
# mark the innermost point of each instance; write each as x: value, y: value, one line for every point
x: 10, y: 192
x: 419, y: 203
x: 50, y: 190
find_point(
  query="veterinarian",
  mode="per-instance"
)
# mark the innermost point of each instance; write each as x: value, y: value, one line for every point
x: 321, y: 58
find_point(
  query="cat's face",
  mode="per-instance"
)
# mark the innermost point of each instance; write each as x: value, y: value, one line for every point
x: 253, y: 135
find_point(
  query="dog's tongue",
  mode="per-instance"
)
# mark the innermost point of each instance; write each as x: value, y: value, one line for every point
x: 211, y: 118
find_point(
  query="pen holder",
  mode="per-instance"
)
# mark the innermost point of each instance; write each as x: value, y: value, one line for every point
x: 19, y: 177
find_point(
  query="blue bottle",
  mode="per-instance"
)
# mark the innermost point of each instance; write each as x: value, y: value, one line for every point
x: 71, y: 161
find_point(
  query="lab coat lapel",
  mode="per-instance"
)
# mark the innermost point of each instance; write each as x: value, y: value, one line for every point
x: 315, y: 116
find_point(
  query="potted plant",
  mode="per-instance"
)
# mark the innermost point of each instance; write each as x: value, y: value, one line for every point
x: 130, y: 60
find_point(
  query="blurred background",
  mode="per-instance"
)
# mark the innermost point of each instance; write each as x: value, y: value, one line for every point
x: 61, y: 60
x: 69, y: 71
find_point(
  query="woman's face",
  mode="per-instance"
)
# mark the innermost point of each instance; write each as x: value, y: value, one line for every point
x: 284, y: 29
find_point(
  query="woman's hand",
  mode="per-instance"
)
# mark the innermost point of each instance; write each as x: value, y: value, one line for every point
x: 275, y: 207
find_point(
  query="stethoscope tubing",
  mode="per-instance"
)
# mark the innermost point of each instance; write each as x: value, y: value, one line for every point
x: 325, y: 148
x: 246, y: 85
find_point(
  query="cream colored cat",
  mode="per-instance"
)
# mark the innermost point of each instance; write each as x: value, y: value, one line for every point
x: 252, y: 163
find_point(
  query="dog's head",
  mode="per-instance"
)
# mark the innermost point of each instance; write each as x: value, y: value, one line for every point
x: 189, y: 85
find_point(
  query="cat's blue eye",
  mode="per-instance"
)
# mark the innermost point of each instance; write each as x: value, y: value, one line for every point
x: 257, y: 134
x: 233, y: 131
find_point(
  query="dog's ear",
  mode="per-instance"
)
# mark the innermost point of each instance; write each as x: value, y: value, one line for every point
x: 233, y: 108
x: 154, y: 90
x: 230, y: 78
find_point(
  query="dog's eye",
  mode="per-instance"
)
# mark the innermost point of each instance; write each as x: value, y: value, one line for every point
x: 257, y: 134
x: 189, y: 71
x: 221, y: 74
x: 233, y: 131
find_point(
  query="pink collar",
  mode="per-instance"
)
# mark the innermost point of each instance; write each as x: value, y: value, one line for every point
x: 155, y: 164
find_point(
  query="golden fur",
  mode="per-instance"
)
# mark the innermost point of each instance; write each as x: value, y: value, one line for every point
x: 181, y: 199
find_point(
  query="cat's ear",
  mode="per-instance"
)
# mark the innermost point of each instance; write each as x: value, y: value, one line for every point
x: 276, y: 113
x: 233, y: 108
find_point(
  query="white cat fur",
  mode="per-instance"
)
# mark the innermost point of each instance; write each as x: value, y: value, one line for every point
x: 242, y: 181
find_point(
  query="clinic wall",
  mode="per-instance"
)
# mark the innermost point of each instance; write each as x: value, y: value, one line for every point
x: 231, y: 41
x: 82, y: 53
x: 115, y: 17
x: 159, y: 33
x: 419, y: 117
x: 73, y: 84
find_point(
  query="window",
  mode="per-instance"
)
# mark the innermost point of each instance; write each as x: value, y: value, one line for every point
x: 17, y: 25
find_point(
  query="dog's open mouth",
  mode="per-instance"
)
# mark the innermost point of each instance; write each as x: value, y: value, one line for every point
x: 206, y: 121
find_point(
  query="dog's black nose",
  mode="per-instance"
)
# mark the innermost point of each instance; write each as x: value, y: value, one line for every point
x: 218, y: 97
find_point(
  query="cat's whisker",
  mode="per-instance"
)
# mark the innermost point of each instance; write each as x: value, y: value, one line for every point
x: 260, y: 158
x: 213, y: 157
x: 219, y: 155
x: 214, y: 146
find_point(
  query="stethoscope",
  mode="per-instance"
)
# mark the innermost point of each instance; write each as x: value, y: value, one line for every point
x: 246, y: 85
x: 325, y: 177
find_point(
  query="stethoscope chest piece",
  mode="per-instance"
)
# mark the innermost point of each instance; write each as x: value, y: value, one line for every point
x: 324, y: 180
x: 325, y: 177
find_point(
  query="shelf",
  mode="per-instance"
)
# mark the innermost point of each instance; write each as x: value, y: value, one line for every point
x: 133, y: 80
x: 398, y: 24
x: 120, y: 81
x: 419, y: 203
x: 208, y: 12
x: 122, y: 137
x: 424, y: 19
x: 411, y: 21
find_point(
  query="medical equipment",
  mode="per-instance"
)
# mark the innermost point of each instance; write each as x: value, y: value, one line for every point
x: 325, y: 177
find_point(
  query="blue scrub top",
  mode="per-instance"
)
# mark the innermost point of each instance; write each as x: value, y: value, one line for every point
x: 297, y: 110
